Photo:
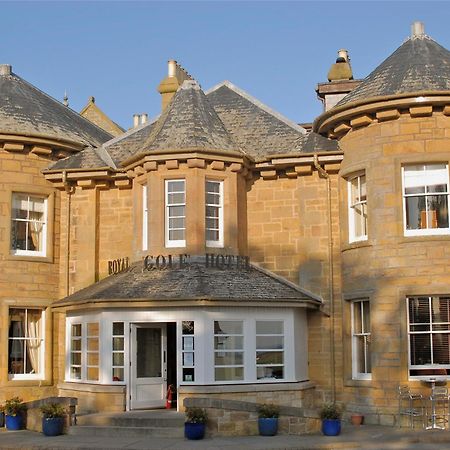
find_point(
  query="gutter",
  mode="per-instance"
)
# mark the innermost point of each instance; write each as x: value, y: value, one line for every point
x: 67, y: 188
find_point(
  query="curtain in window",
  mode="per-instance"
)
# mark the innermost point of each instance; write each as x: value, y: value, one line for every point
x: 36, y: 229
x: 34, y: 338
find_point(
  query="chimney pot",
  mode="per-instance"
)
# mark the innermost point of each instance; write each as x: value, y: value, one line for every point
x: 144, y: 118
x: 172, y: 68
x: 135, y: 120
x: 417, y: 29
x: 343, y: 54
x: 5, y: 69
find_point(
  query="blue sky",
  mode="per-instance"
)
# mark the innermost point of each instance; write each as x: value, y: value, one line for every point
x: 276, y: 51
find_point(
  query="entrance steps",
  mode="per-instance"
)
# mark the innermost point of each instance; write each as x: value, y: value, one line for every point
x: 157, y: 423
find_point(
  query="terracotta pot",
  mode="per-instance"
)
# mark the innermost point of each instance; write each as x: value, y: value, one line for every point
x: 357, y: 419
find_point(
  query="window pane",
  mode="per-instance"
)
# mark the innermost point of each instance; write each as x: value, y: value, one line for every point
x: 269, y: 342
x: 187, y: 327
x: 176, y: 223
x: 118, y: 359
x: 175, y: 186
x: 76, y: 344
x: 118, y: 343
x: 229, y: 343
x: 227, y: 327
x: 269, y: 327
x: 118, y: 374
x: 118, y: 329
x: 176, y: 235
x: 228, y: 358
x: 212, y: 235
x: 92, y: 329
x: 92, y: 344
x: 92, y: 373
x: 92, y: 359
x: 188, y: 342
x: 212, y: 186
x: 276, y: 372
x: 176, y: 211
x: 269, y: 358
x: 75, y: 359
x: 176, y: 198
x: 75, y: 373
x: 188, y: 358
x: 441, y: 349
x: 420, y: 348
x: 76, y: 330
x: 229, y: 373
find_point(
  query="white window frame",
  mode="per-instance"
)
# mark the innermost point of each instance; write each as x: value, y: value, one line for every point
x: 352, y: 217
x: 31, y: 376
x: 219, y: 242
x: 145, y: 216
x: 233, y: 350
x: 432, y: 332
x: 423, y: 231
x: 356, y: 336
x: 116, y: 352
x: 174, y: 242
x: 21, y: 252
x: 84, y: 349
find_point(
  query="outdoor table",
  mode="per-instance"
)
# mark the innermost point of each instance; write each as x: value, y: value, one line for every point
x: 433, y: 425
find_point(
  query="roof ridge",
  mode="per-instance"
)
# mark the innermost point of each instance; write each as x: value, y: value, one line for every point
x: 257, y: 103
x: 18, y: 77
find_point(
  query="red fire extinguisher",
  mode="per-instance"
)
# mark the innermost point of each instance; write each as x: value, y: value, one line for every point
x: 169, y: 397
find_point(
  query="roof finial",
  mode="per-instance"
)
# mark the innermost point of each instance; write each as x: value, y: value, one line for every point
x: 66, y: 99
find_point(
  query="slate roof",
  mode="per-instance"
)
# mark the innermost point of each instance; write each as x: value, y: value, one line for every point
x: 25, y: 110
x: 225, y: 119
x: 189, y: 122
x: 420, y: 64
x: 196, y: 282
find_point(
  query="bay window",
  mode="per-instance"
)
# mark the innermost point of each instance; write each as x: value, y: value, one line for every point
x: 425, y: 199
x: 175, y: 213
x: 361, y: 355
x: 28, y: 225
x: 357, y: 211
x: 269, y: 349
x: 25, y: 343
x: 214, y: 213
x: 428, y: 335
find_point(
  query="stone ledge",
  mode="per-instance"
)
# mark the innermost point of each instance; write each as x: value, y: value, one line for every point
x: 229, y: 388
x: 86, y: 387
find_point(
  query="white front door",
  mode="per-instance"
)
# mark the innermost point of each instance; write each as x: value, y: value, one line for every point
x: 148, y: 377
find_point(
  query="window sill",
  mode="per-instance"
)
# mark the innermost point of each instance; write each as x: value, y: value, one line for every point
x: 424, y: 237
x: 356, y: 244
x: 27, y: 382
x: 358, y: 382
x: 30, y: 258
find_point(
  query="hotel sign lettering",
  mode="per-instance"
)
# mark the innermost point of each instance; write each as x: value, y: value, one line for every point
x: 216, y: 261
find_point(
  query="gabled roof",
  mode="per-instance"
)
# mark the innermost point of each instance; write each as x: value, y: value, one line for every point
x: 93, y: 113
x: 189, y: 122
x: 420, y: 64
x: 27, y: 111
x: 195, y: 282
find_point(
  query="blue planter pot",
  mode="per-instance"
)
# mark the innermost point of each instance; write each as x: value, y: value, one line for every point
x: 331, y: 427
x: 52, y: 426
x: 268, y: 426
x: 14, y: 422
x: 194, y: 431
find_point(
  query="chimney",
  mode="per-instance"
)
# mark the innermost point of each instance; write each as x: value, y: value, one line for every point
x: 169, y: 85
x: 144, y: 118
x: 340, y: 81
x: 135, y: 120
x: 417, y: 30
x: 139, y: 119
x: 5, y: 69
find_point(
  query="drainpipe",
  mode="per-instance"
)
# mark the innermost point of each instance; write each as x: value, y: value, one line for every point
x: 324, y: 174
x: 68, y: 192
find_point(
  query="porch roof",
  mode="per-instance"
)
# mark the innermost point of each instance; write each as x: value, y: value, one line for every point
x: 194, y: 284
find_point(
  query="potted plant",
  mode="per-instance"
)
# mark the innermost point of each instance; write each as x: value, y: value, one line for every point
x: 268, y: 419
x: 52, y: 419
x: 14, y: 408
x: 194, y: 427
x: 357, y: 419
x: 2, y: 416
x: 331, y: 419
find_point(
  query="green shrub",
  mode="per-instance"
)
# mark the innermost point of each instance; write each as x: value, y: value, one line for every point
x: 14, y: 406
x: 330, y: 411
x: 53, y: 410
x: 268, y: 411
x: 196, y: 415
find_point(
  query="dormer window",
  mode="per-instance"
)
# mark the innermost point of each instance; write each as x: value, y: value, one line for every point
x: 175, y: 213
x: 214, y: 213
x: 425, y: 199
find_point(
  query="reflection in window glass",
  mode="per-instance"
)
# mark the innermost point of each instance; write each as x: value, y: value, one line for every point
x: 118, y: 351
x: 361, y: 339
x: 357, y: 216
x: 228, y: 350
x: 269, y: 349
x: 188, y: 350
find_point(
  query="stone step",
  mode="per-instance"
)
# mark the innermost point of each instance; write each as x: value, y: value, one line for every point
x: 127, y: 431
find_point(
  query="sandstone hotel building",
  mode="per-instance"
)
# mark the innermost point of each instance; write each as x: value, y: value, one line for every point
x: 224, y: 249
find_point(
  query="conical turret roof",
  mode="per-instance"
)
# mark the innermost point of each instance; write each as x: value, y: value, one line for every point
x: 189, y: 122
x: 419, y: 65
